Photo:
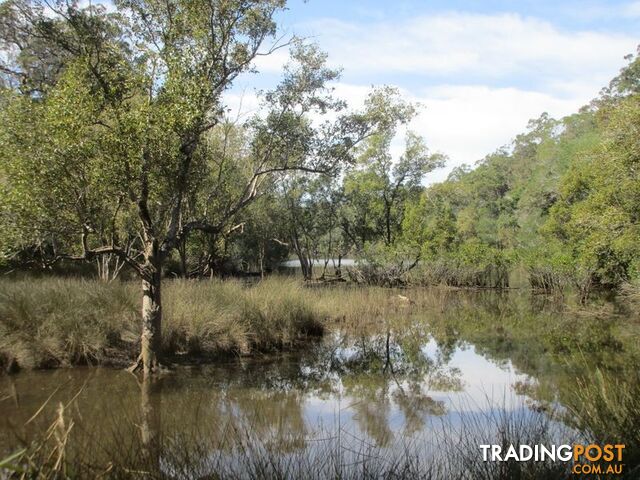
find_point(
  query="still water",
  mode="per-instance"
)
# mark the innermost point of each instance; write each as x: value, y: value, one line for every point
x: 462, y: 368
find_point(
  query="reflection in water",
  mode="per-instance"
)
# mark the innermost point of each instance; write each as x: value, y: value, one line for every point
x: 379, y: 386
x: 151, y: 421
x: 371, y: 383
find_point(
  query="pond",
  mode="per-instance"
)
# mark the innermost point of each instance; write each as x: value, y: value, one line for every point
x: 431, y: 382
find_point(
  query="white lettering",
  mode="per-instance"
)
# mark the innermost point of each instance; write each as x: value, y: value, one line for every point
x: 511, y: 454
x: 564, y: 448
x: 495, y: 453
x: 545, y: 452
x: 485, y: 451
x: 528, y: 456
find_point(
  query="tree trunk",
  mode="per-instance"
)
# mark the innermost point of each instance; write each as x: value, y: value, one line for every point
x: 182, y: 252
x: 306, y: 264
x: 261, y: 260
x: 151, y: 344
x: 324, y: 268
x: 388, y: 222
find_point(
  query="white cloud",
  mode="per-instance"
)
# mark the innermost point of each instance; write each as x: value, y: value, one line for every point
x: 464, y: 122
x: 480, y: 77
x: 273, y: 62
x: 241, y: 104
x: 468, y: 122
x: 455, y: 44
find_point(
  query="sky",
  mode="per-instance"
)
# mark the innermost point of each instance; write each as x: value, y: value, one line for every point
x: 479, y: 69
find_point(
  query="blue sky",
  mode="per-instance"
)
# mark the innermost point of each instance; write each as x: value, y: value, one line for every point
x: 480, y: 69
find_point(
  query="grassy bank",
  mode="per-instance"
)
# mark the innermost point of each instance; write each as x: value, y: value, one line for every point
x: 60, y: 322
x: 57, y: 322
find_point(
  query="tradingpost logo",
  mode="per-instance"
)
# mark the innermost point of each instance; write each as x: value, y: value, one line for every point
x: 589, y: 459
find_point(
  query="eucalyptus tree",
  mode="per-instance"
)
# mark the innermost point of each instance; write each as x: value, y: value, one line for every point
x: 333, y: 243
x: 302, y: 231
x: 379, y: 188
x: 120, y: 134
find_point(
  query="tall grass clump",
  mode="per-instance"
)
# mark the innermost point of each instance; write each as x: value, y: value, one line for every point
x: 607, y: 407
x: 47, y: 322
x: 59, y: 322
x: 215, y: 317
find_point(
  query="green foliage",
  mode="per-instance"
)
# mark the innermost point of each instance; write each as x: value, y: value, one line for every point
x: 378, y: 189
x: 550, y: 267
x: 596, y: 216
x: 115, y: 141
x: 561, y: 201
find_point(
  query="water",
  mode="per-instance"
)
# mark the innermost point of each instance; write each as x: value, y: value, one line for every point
x: 454, y: 366
x: 331, y: 263
x: 293, y: 393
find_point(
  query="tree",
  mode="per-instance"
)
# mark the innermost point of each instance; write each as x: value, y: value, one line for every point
x: 379, y: 189
x: 122, y: 126
x: 406, y: 181
x: 310, y: 219
x: 122, y: 133
x: 429, y: 226
x: 627, y: 82
x: 302, y: 229
x: 257, y: 245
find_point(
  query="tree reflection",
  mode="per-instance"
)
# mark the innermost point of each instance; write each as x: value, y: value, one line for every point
x: 275, y: 417
x: 151, y: 421
x: 381, y: 373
